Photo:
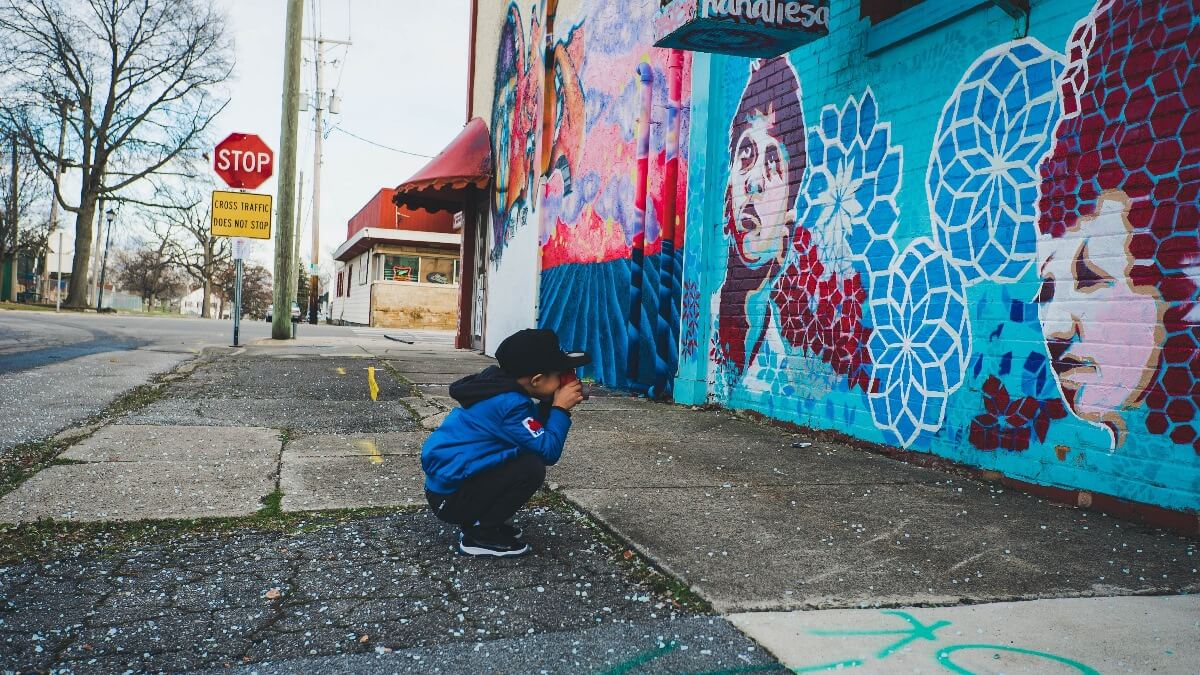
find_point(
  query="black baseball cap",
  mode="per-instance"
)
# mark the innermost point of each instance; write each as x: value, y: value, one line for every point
x: 535, y: 351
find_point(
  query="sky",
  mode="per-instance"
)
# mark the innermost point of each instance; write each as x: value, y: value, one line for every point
x: 402, y: 84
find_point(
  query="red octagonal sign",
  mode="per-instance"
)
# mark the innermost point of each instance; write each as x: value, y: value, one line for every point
x: 243, y: 161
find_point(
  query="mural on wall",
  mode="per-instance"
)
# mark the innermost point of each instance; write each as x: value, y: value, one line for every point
x: 767, y: 160
x: 1119, y: 253
x: 1050, y: 304
x: 514, y: 124
x: 602, y: 207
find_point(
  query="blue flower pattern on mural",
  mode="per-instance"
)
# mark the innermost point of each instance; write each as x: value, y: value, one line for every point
x: 983, y: 178
x: 920, y: 344
x: 848, y: 200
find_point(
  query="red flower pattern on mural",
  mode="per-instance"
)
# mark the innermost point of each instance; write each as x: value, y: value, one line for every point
x: 822, y: 313
x: 1009, y: 423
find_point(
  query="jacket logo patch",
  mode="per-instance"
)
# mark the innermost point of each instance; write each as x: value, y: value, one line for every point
x: 534, y: 427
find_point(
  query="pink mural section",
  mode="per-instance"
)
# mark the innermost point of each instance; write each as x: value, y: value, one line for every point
x: 1119, y: 255
x: 589, y: 198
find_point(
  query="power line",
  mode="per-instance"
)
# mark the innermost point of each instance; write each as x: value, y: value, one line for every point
x: 380, y: 145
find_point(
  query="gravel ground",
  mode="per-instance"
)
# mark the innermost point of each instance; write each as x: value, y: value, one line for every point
x: 371, y: 593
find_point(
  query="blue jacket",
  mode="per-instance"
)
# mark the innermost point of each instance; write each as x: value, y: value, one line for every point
x: 497, y: 421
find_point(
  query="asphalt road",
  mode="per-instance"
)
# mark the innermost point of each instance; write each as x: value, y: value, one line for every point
x: 58, y: 369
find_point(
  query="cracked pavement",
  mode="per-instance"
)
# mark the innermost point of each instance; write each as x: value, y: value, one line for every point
x: 369, y: 585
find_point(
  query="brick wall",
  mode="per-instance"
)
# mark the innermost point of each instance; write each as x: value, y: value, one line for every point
x: 980, y: 242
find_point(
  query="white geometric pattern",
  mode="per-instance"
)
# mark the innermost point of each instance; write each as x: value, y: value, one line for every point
x: 920, y: 343
x: 983, y: 172
x: 849, y: 194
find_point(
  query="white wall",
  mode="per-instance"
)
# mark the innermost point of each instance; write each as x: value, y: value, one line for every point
x: 512, y: 284
x: 512, y: 288
x: 355, y: 308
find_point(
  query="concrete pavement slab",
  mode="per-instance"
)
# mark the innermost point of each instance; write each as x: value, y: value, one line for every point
x: 442, y: 366
x: 423, y: 407
x: 1109, y: 635
x: 434, y: 390
x: 148, y: 472
x: 694, y: 449
x: 323, y: 379
x: 355, y: 445
x: 433, y: 378
x: 368, y: 480
x: 303, y: 416
x: 257, y: 449
x: 133, y: 491
x: 755, y: 548
x: 352, y: 471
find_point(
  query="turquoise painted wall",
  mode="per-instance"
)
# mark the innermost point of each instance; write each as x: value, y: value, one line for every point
x: 980, y: 242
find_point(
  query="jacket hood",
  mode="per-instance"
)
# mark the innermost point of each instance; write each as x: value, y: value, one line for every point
x: 487, y: 384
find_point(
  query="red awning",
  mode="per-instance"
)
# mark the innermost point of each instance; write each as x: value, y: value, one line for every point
x: 459, y: 174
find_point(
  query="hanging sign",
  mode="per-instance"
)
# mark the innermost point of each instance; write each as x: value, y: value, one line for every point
x: 761, y: 28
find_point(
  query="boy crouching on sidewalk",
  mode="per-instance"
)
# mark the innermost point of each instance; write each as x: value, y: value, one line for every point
x: 489, y: 457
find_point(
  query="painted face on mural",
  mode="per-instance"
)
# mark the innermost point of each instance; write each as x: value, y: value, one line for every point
x: 766, y: 162
x: 1103, y: 330
x: 758, y: 184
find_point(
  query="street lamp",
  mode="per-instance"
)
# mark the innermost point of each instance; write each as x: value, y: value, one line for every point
x: 110, y: 215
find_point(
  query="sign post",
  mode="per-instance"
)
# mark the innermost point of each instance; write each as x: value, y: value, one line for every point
x: 239, y: 252
x: 244, y: 162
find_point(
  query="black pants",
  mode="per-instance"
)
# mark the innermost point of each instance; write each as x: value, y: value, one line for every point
x: 493, y: 496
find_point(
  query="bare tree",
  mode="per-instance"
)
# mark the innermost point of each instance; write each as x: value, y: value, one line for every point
x: 141, y: 76
x: 185, y: 225
x: 256, y: 287
x: 18, y: 207
x: 149, y: 273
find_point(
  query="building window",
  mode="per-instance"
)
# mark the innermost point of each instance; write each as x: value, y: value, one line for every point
x: 424, y: 269
x: 438, y: 270
x: 349, y: 278
x: 362, y: 275
x: 881, y: 10
x: 401, y: 267
x: 339, y: 284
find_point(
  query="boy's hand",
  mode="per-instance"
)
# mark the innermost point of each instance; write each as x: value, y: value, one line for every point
x: 569, y: 395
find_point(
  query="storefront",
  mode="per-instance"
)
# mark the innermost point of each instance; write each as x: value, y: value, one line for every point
x: 403, y: 272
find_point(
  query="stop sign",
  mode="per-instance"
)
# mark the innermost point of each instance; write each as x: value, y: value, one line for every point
x: 243, y: 161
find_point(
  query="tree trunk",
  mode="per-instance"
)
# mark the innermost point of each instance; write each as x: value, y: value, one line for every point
x: 77, y: 296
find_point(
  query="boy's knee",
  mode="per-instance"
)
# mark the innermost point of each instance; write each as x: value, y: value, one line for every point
x: 532, y: 467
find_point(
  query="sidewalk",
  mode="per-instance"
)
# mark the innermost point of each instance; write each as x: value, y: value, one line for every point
x: 752, y: 523
x: 826, y: 555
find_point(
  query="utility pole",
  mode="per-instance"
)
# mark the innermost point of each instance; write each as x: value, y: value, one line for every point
x: 293, y: 281
x: 285, y: 218
x: 14, y: 221
x: 319, y: 134
x: 58, y: 169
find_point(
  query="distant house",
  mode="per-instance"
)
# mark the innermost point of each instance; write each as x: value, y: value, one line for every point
x: 398, y: 268
x: 192, y: 303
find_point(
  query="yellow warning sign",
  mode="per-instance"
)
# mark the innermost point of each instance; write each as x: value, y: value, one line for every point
x: 241, y: 214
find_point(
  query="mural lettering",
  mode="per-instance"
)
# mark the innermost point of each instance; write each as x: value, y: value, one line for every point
x: 780, y: 13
